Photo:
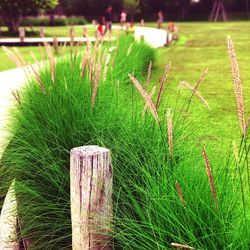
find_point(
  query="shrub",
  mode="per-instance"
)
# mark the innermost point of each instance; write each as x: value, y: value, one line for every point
x: 58, y: 21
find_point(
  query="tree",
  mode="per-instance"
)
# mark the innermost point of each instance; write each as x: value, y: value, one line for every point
x: 132, y: 7
x: 179, y: 7
x: 88, y: 7
x: 13, y: 11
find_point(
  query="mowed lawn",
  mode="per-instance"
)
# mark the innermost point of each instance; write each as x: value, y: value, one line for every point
x: 201, y: 46
x: 59, y: 31
x: 6, y: 63
x: 38, y: 51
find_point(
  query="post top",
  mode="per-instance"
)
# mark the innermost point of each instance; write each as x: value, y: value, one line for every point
x: 89, y: 150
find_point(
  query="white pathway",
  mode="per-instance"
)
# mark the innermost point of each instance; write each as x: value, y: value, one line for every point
x: 9, y: 80
x: 155, y: 37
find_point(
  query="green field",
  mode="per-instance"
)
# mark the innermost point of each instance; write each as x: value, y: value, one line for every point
x: 63, y: 31
x: 39, y: 52
x: 6, y: 63
x: 201, y: 46
x: 59, y: 31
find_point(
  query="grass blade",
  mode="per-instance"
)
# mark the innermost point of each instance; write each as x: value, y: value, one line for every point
x: 238, y: 90
x: 146, y: 97
x: 162, y: 85
x: 210, y: 176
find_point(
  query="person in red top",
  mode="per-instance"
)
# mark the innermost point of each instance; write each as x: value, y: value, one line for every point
x: 99, y: 31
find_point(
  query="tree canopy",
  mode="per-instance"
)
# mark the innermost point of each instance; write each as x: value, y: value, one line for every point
x: 176, y: 9
x: 131, y: 6
x: 13, y: 11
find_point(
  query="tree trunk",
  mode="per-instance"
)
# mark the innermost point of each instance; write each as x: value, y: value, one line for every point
x: 13, y: 24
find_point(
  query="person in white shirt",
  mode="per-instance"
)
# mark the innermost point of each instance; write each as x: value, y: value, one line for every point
x: 123, y: 19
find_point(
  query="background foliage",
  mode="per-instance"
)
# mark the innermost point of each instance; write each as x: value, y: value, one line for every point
x: 13, y: 11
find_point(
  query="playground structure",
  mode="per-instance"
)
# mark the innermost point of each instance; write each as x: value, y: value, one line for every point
x: 217, y: 11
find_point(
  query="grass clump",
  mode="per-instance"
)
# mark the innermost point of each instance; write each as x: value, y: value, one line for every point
x: 162, y: 187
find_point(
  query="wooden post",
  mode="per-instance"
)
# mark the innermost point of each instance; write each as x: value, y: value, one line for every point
x: 90, y: 195
x: 142, y: 22
x: 8, y: 221
x: 71, y: 33
x: 21, y: 34
x: 55, y: 44
x: 85, y: 31
x: 42, y: 32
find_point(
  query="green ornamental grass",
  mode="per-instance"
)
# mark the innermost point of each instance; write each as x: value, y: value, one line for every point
x: 167, y: 191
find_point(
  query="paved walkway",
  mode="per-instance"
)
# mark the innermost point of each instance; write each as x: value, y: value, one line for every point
x: 9, y: 80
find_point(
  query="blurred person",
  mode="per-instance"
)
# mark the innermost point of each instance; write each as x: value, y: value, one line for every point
x: 99, y: 31
x: 160, y: 19
x: 131, y: 27
x: 107, y: 19
x: 123, y: 18
x: 172, y: 28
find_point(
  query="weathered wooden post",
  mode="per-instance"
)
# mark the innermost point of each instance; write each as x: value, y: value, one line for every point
x: 55, y: 44
x: 21, y: 34
x: 85, y: 31
x: 42, y: 32
x: 91, y: 198
x: 8, y: 221
x: 71, y: 33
